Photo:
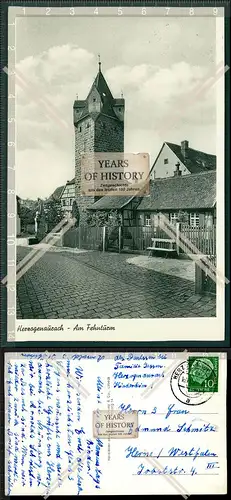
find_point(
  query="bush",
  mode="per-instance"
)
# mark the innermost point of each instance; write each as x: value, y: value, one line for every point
x: 111, y: 218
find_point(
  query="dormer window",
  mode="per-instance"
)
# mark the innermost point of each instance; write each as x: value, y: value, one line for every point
x: 94, y: 104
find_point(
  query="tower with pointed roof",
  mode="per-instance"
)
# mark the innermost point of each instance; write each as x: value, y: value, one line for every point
x: 99, y: 127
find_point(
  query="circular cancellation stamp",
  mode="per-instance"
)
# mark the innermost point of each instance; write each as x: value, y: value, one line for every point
x: 194, y: 381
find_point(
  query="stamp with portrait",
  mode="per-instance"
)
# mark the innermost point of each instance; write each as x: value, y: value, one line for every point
x: 179, y: 387
x: 203, y: 374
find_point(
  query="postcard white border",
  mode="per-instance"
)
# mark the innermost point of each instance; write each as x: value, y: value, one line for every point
x: 158, y: 329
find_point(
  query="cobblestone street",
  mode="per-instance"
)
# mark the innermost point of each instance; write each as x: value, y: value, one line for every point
x: 103, y: 285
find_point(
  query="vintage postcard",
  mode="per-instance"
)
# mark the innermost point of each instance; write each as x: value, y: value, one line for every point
x: 120, y: 423
x: 116, y: 174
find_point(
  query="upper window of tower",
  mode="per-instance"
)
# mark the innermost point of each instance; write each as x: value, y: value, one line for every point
x: 94, y: 104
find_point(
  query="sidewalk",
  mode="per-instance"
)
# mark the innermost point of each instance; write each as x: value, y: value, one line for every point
x: 174, y: 267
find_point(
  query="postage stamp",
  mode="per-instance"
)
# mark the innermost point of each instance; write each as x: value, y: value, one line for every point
x: 115, y: 424
x: 203, y: 374
x: 179, y: 387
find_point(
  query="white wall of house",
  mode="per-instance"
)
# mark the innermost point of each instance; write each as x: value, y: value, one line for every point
x: 68, y: 197
x: 195, y: 218
x: 166, y: 164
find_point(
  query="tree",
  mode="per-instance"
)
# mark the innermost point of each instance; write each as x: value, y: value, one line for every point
x: 53, y: 213
x: 27, y: 217
x: 75, y: 213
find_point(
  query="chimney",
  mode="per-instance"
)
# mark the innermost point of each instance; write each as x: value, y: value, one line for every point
x: 184, y: 149
x: 177, y: 172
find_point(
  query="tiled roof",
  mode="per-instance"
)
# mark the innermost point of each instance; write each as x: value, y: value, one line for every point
x: 110, y: 202
x: 196, y: 161
x: 182, y: 192
x: 57, y: 193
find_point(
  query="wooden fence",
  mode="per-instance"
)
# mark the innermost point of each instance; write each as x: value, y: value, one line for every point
x: 86, y: 237
x: 201, y: 237
x: 139, y: 238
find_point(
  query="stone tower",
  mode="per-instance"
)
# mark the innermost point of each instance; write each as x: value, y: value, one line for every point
x: 99, y: 127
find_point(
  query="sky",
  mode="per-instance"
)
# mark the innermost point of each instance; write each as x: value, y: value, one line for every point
x: 156, y: 62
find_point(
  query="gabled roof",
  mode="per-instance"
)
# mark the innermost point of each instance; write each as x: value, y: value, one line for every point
x: 101, y: 85
x: 195, y: 191
x: 56, y: 195
x: 106, y: 97
x: 110, y: 203
x: 197, y: 161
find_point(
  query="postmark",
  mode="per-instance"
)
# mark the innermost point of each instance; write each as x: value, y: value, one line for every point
x: 203, y: 374
x: 179, y: 387
x: 115, y: 424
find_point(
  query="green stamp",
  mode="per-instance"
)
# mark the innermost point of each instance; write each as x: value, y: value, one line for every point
x: 203, y: 374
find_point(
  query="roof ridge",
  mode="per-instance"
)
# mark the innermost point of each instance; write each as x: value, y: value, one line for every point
x: 192, y: 149
x: 195, y: 174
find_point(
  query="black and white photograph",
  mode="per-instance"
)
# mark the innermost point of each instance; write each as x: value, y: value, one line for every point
x: 98, y: 265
